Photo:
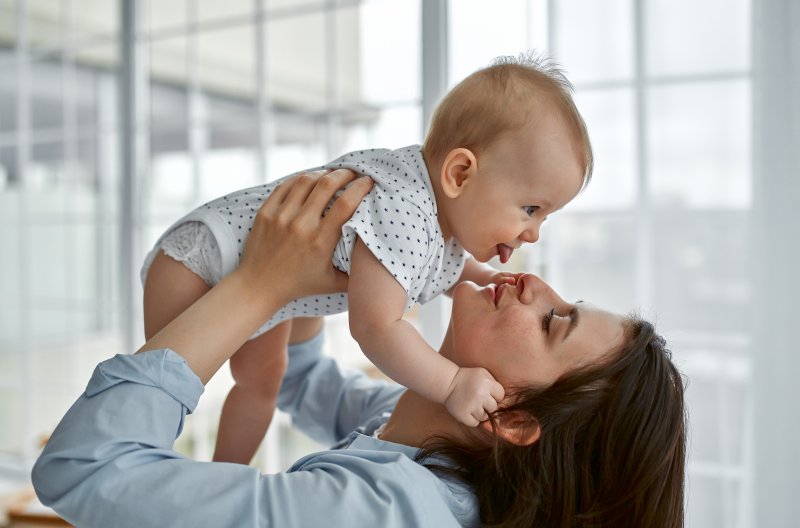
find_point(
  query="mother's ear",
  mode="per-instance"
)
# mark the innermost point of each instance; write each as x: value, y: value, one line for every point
x: 458, y: 167
x: 516, y: 427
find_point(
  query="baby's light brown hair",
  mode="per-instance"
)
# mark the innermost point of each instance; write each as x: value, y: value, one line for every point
x: 500, y: 99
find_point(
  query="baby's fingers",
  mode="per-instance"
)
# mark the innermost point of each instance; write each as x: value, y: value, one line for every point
x: 473, y: 419
x: 497, y: 391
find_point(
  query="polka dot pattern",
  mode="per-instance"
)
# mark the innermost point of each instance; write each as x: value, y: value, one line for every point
x: 397, y: 221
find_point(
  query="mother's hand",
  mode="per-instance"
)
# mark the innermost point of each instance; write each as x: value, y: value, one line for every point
x: 293, y: 241
x: 287, y: 255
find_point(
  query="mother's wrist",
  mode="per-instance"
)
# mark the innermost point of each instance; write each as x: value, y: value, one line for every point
x: 264, y: 293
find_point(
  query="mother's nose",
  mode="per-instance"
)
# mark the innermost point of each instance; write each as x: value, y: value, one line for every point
x: 534, y: 289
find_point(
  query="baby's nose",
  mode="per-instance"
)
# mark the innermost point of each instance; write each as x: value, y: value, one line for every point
x: 530, y: 235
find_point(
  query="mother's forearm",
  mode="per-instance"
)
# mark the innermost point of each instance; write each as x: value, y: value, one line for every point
x: 213, y: 328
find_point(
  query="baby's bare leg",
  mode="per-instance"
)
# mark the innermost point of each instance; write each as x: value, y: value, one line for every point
x: 257, y: 368
x: 170, y: 288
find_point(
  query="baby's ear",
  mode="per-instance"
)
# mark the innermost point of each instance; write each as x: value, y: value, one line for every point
x: 458, y: 167
x: 516, y: 427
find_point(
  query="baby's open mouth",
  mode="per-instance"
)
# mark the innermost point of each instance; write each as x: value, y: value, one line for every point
x: 504, y: 252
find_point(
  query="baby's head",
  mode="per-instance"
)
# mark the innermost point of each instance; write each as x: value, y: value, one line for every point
x: 506, y: 148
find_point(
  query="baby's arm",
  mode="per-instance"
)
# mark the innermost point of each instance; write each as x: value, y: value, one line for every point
x: 376, y: 305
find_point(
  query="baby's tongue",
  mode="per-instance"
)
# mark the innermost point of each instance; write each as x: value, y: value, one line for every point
x: 505, y: 252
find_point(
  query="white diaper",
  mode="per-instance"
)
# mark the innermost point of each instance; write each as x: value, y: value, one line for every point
x: 192, y: 244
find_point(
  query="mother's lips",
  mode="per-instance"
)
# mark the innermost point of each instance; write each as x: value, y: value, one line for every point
x: 504, y: 252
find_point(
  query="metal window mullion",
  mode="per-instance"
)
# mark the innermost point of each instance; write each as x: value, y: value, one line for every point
x: 433, y: 316
x: 264, y: 124
x: 198, y: 111
x: 103, y: 239
x: 644, y: 217
x: 551, y: 247
x: 332, y: 95
x: 69, y: 142
x: 775, y: 232
x: 270, y: 461
x: 23, y: 154
x: 130, y: 92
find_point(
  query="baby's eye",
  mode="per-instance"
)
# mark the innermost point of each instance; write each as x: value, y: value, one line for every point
x: 530, y: 210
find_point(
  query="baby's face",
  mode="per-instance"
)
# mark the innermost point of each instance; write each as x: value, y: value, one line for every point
x: 520, y: 180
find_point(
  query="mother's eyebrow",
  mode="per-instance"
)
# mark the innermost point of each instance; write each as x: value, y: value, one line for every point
x: 574, y: 316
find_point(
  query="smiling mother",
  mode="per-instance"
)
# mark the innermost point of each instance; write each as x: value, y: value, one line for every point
x: 591, y: 432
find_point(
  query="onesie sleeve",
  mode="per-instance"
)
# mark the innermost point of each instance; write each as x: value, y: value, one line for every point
x: 397, y: 232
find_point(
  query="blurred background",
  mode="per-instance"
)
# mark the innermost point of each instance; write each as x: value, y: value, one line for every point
x: 117, y: 117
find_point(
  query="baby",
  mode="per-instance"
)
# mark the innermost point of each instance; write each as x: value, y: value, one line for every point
x: 506, y: 148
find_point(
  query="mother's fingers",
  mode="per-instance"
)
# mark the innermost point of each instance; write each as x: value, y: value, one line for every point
x: 326, y: 186
x: 302, y: 186
x: 345, y: 205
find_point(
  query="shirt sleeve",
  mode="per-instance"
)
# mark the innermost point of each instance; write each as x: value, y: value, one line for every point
x: 328, y: 402
x: 110, y: 461
x: 396, y: 231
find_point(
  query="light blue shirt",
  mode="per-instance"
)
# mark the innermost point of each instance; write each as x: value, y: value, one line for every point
x: 110, y: 461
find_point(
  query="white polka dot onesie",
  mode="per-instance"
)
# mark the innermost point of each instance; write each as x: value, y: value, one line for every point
x: 397, y: 221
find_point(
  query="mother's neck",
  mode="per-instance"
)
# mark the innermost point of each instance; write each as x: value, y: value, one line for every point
x: 416, y: 419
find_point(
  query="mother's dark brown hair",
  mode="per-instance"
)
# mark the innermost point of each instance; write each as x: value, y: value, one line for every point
x: 611, y: 450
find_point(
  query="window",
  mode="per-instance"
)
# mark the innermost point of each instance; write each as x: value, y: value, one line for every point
x: 660, y: 226
x: 244, y: 91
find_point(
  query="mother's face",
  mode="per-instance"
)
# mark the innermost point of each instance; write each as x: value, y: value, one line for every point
x: 509, y: 331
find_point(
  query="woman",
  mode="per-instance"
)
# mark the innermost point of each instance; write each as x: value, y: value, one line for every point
x: 590, y: 434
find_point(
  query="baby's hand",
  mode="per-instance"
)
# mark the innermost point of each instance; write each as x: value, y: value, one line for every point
x: 504, y: 277
x: 473, y: 393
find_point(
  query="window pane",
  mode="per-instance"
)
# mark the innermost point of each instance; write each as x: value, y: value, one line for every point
x: 699, y: 144
x: 45, y: 32
x: 11, y: 413
x: 226, y: 170
x: 9, y: 177
x: 45, y: 172
x: 701, y: 269
x: 47, y: 245
x: 8, y: 92
x: 10, y: 339
x: 83, y: 262
x: 169, y: 111
x: 591, y: 257
x: 390, y: 51
x: 299, y: 144
x: 392, y: 128
x: 609, y: 116
x: 8, y: 24
x: 345, y: 68
x: 705, y: 505
x: 214, y: 9
x: 288, y: 5
x: 171, y: 181
x: 103, y: 58
x: 226, y: 62
x: 297, y: 80
x: 161, y: 15
x: 478, y: 32
x: 233, y: 135
x: 86, y: 99
x: 685, y: 36
x: 94, y: 17
x: 10, y: 281
x: 169, y: 76
x: 594, y: 40
x: 47, y: 101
